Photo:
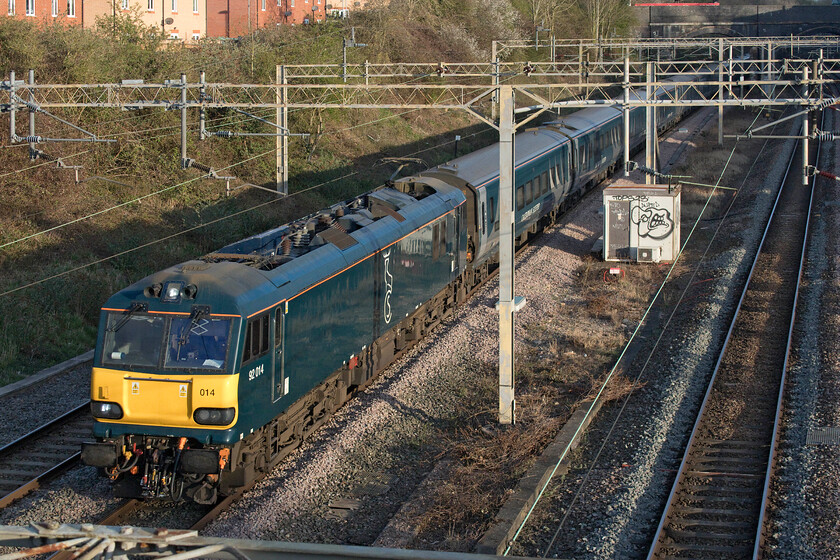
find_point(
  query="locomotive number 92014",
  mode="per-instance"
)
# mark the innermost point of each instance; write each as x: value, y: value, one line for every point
x: 256, y: 372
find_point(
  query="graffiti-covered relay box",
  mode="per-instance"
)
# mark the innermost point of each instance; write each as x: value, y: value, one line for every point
x: 641, y: 222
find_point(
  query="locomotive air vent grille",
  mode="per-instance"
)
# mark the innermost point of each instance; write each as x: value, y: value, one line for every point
x: 195, y: 267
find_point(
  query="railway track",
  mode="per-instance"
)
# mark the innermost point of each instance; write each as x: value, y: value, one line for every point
x: 717, y: 503
x: 42, y: 454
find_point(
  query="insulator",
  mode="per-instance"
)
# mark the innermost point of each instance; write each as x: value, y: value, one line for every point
x: 29, y: 105
x: 42, y: 155
x: 828, y: 175
x: 824, y: 136
x: 31, y: 139
x: 200, y: 166
x: 224, y: 134
x: 823, y: 104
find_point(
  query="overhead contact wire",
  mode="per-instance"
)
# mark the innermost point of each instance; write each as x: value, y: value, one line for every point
x: 239, y: 213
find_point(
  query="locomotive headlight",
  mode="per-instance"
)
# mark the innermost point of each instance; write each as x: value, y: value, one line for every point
x: 172, y: 292
x: 109, y: 410
x: 214, y: 416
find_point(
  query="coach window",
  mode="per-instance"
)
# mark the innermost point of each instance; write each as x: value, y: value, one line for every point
x: 529, y: 192
x: 442, y: 249
x: 256, y: 339
x: 544, y: 182
x: 435, y: 241
x: 520, y: 197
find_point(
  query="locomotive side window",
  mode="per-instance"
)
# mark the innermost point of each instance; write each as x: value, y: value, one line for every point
x: 529, y: 192
x: 544, y: 182
x: 435, y: 241
x: 520, y: 197
x: 256, y: 338
x: 442, y: 249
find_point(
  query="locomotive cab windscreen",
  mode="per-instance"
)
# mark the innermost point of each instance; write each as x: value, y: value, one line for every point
x: 149, y: 340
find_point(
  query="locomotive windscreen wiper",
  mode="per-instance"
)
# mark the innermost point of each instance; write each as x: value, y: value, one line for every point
x: 135, y: 307
x: 197, y: 314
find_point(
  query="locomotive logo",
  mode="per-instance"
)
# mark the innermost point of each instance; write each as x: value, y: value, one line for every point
x: 389, y: 286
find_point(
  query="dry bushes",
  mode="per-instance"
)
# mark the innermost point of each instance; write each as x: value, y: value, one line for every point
x: 487, y: 461
x: 566, y: 360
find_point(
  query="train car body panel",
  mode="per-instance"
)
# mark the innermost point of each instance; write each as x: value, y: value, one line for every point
x: 537, y: 188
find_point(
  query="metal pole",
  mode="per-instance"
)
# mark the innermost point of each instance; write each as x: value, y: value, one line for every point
x: 805, y: 126
x: 506, y: 239
x: 626, y: 111
x: 553, y: 51
x: 282, y: 141
x: 494, y: 60
x: 768, y: 68
x: 344, y: 59
x: 184, y: 163
x: 12, y: 105
x: 202, y: 112
x: 650, y: 125
x: 816, y: 73
x: 720, y: 91
x: 32, y: 151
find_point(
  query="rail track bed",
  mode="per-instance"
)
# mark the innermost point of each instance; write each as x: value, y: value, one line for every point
x: 42, y: 453
x: 717, y: 504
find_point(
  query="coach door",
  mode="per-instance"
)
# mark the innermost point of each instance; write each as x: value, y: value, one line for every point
x: 279, y: 382
x: 618, y: 222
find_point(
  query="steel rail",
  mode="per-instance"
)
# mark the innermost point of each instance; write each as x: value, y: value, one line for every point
x: 56, y: 468
x: 759, y: 537
x: 681, y: 471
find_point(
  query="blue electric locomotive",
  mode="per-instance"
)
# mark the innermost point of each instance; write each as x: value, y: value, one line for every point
x: 211, y: 371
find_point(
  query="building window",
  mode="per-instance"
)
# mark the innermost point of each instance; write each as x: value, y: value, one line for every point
x: 195, y: 6
x: 174, y: 35
x: 262, y: 5
x: 54, y: 8
x: 150, y: 5
x: 71, y: 8
x: 11, y: 7
x: 30, y: 7
x: 292, y: 3
x: 124, y: 4
x: 196, y: 36
x: 174, y: 6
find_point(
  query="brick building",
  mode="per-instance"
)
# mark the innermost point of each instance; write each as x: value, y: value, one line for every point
x: 184, y: 20
x: 188, y: 20
x: 235, y: 18
x: 69, y: 12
